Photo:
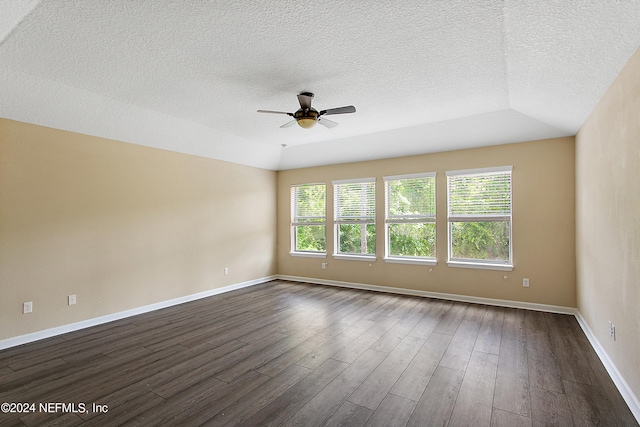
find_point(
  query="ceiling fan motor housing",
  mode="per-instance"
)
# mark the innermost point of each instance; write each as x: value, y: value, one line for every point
x: 306, y: 117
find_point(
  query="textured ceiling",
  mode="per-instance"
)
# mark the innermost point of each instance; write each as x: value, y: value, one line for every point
x: 425, y: 76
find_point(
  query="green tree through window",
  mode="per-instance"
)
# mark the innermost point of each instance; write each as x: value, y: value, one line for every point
x: 479, y: 207
x: 355, y: 216
x: 308, y: 202
x: 411, y: 216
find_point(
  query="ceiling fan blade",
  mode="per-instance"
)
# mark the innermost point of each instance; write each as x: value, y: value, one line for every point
x: 327, y: 123
x: 275, y: 112
x: 289, y: 124
x: 340, y: 110
x: 304, y: 99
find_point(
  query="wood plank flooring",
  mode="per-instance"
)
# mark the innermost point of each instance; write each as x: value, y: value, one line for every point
x: 293, y: 354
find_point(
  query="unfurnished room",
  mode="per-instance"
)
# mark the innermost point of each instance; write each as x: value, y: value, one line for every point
x: 357, y: 213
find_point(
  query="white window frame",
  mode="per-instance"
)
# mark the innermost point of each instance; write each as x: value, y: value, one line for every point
x: 337, y: 221
x: 414, y: 219
x: 296, y: 222
x: 477, y: 263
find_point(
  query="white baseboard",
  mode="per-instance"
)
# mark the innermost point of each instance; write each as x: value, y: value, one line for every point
x: 59, y: 330
x: 438, y: 295
x: 627, y: 394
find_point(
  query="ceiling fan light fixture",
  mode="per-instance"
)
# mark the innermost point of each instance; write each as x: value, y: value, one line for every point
x: 307, y: 117
x: 306, y: 122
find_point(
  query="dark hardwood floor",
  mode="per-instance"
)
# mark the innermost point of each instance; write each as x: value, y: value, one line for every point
x: 286, y: 354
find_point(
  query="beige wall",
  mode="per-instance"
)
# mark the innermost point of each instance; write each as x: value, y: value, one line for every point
x: 121, y: 226
x: 608, y: 221
x: 543, y: 225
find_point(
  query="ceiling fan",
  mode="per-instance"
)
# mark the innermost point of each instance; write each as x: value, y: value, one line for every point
x: 308, y: 116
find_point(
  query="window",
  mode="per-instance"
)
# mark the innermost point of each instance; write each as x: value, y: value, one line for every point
x: 411, y: 218
x: 479, y: 217
x: 308, y: 219
x: 355, y: 217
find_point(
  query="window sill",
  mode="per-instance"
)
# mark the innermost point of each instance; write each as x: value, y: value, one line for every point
x: 406, y: 260
x: 355, y: 257
x: 309, y: 254
x: 480, y: 265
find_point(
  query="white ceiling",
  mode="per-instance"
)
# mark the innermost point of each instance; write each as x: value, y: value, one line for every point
x: 425, y: 76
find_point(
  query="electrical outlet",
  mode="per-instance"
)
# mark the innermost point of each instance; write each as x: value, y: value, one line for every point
x: 324, y: 265
x: 612, y: 330
x: 525, y: 282
x: 27, y: 307
x: 72, y: 299
x: 226, y: 270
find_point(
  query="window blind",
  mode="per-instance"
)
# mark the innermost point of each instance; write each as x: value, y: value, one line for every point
x: 410, y: 198
x: 308, y: 204
x: 354, y: 201
x: 479, y: 195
